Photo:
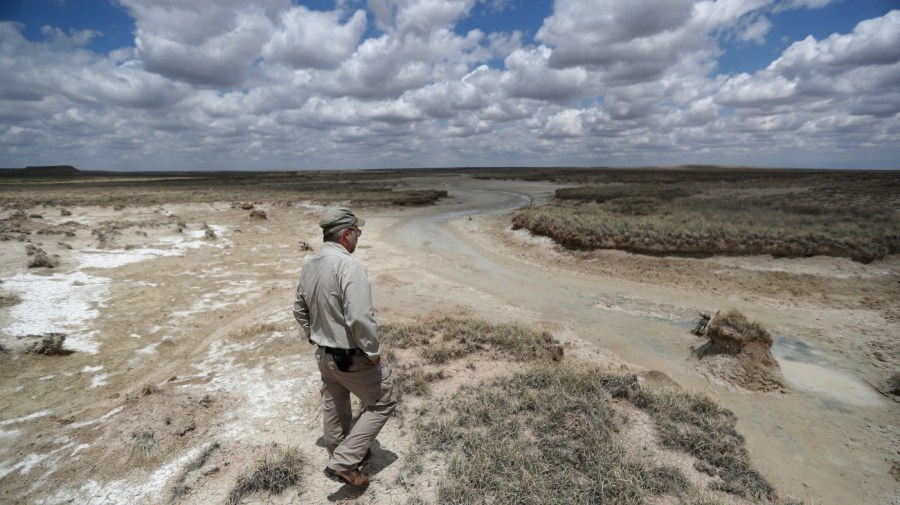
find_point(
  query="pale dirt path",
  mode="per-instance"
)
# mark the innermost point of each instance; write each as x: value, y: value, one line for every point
x: 183, y: 316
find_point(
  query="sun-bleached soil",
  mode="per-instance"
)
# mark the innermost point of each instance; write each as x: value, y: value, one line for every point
x: 188, y: 367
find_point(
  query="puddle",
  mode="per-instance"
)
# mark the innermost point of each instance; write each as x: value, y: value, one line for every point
x: 807, y: 368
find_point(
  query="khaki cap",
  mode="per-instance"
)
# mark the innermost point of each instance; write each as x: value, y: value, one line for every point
x: 338, y: 218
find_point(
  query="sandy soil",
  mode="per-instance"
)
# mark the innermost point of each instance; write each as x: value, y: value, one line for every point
x: 152, y: 305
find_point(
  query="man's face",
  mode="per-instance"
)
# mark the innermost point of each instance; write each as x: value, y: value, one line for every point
x: 352, y: 236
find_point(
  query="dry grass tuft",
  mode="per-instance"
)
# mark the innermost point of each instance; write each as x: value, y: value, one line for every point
x: 144, y: 391
x: 48, y: 344
x: 149, y: 389
x: 275, y: 473
x: 143, y: 445
x: 41, y: 259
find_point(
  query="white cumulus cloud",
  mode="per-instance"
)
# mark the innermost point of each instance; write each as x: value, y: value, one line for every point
x: 272, y: 84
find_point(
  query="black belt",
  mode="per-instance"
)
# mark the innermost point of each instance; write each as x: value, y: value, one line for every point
x: 334, y: 351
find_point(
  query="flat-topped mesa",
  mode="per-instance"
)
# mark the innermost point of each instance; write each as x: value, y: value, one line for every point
x: 42, y: 171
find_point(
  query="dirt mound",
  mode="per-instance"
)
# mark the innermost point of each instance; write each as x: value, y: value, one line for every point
x: 891, y: 387
x: 738, y: 351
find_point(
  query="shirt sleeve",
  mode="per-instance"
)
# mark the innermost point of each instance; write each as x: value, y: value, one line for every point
x: 358, y: 311
x: 301, y: 311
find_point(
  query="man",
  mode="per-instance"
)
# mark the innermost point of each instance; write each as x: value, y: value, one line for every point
x: 334, y: 307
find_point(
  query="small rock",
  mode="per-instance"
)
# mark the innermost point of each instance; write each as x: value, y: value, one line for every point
x: 184, y: 431
x: 258, y: 214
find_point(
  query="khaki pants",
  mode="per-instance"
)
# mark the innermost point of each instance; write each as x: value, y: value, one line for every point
x: 374, y: 387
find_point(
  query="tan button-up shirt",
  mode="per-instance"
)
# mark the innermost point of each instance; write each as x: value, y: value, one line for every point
x: 333, y: 303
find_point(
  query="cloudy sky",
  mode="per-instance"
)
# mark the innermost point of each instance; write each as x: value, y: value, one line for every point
x: 276, y: 84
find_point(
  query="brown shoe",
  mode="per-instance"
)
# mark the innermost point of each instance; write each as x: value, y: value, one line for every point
x: 353, y: 477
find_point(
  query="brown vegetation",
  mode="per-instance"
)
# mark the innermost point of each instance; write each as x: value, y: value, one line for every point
x: 39, y: 258
x: 123, y: 189
x: 48, y: 344
x: 550, y: 432
x: 9, y: 299
x: 275, y: 473
x: 782, y: 213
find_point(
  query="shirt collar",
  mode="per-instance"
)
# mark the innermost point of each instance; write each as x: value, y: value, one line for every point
x: 338, y: 246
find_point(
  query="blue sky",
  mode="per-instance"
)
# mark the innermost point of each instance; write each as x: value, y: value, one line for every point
x: 178, y: 84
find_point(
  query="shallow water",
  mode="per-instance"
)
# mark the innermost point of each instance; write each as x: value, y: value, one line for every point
x: 808, y: 368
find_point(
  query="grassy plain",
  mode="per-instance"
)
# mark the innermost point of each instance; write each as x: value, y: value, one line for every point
x: 107, y: 188
x: 705, y: 211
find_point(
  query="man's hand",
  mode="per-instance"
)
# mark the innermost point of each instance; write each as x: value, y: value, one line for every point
x: 375, y: 360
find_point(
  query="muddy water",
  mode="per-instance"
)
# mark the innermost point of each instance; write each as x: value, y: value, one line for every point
x: 811, y: 369
x: 819, y: 441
